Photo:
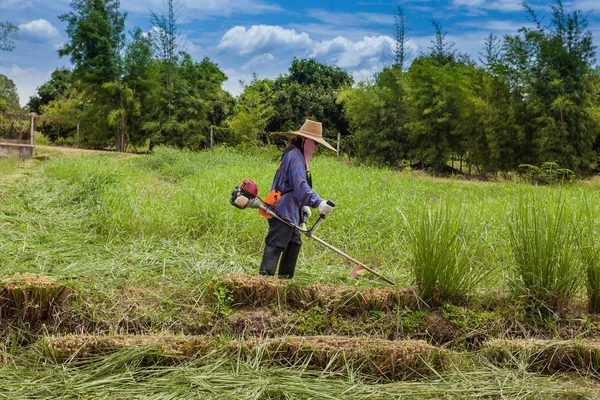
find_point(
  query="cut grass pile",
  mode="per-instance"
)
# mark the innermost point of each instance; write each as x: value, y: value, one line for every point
x: 254, y: 290
x: 547, y: 356
x: 375, y: 358
x: 168, y: 349
x: 30, y: 297
x: 126, y: 375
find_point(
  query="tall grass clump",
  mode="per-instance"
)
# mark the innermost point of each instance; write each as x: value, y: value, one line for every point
x: 543, y: 238
x: 442, y: 262
x: 590, y: 256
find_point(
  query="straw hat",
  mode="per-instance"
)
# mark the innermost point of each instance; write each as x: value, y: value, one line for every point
x: 311, y: 130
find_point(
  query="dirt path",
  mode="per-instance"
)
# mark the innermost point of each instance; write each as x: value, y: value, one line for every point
x: 71, y: 151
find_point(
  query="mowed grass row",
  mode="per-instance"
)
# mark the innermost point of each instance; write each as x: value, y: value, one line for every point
x: 139, y: 371
x: 167, y: 216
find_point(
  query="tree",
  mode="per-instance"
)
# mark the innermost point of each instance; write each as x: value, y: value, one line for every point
x: 142, y: 76
x: 491, y: 52
x: 166, y: 44
x: 95, y: 29
x: 197, y: 102
x: 309, y: 91
x: 8, y: 35
x: 436, y: 97
x: 401, y: 52
x: 59, y: 86
x: 8, y: 94
x: 378, y: 113
x: 441, y: 49
x: 252, y: 112
x: 551, y: 67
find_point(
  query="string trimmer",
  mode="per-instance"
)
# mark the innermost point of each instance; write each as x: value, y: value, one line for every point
x: 246, y: 196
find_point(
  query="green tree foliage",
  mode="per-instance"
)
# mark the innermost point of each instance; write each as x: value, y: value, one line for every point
x: 377, y: 114
x: 138, y: 91
x: 95, y: 29
x: 252, y: 112
x: 8, y: 35
x: 533, y: 100
x: 401, y: 51
x: 63, y: 129
x: 309, y: 91
x: 551, y: 67
x: 196, y: 106
x: 166, y: 45
x: 9, y: 98
x: 437, y: 102
x: 142, y: 77
x: 60, y: 86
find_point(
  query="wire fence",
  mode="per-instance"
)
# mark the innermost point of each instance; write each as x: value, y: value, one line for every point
x: 16, y: 128
x: 21, y: 128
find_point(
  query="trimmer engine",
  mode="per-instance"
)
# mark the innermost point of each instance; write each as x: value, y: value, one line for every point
x: 245, y: 195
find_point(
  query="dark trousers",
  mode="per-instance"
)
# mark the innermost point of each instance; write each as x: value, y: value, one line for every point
x: 280, y: 235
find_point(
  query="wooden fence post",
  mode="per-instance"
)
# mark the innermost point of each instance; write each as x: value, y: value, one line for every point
x: 31, y: 128
x: 77, y: 141
x: 338, y: 144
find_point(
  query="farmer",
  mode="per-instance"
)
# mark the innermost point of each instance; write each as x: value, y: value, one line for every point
x: 293, y: 197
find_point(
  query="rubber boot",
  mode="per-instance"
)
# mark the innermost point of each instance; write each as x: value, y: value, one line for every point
x: 269, y: 260
x: 288, y: 261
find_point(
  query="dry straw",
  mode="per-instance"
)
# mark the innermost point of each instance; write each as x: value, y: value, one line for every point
x: 548, y: 356
x: 391, y: 360
x: 30, y: 297
x: 375, y: 358
x: 249, y: 290
x: 168, y: 348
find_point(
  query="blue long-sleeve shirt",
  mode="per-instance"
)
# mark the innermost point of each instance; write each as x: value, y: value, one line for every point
x: 290, y: 180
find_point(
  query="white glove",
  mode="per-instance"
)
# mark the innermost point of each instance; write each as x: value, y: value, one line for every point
x: 306, y: 213
x: 325, y: 208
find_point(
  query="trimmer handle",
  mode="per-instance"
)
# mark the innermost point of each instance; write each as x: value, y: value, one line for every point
x: 330, y: 203
x: 321, y: 218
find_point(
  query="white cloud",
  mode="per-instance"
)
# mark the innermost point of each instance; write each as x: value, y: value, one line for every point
x: 366, y: 74
x: 496, y: 5
x: 229, y: 7
x: 258, y: 61
x: 39, y: 30
x: 261, y: 38
x: 27, y: 80
x: 351, y: 54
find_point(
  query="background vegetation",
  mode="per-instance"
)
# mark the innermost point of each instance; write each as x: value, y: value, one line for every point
x: 530, y: 99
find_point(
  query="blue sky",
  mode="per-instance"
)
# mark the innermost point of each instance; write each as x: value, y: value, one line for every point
x: 262, y: 36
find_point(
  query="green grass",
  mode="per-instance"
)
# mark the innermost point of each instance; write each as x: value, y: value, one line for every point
x: 441, y: 255
x: 168, y: 215
x: 139, y: 239
x: 544, y: 238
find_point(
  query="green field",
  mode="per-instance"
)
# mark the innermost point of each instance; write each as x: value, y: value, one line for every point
x: 142, y: 244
